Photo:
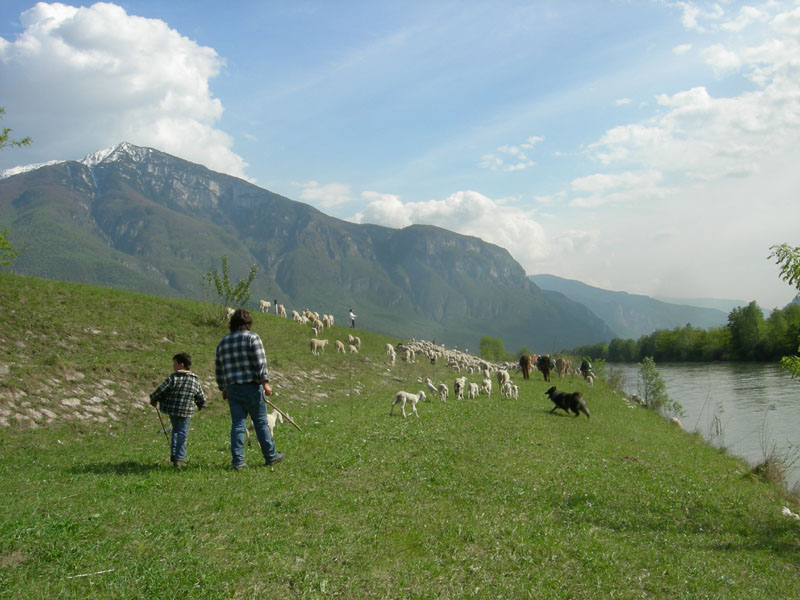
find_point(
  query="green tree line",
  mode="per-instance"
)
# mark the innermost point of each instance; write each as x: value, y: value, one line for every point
x: 748, y: 336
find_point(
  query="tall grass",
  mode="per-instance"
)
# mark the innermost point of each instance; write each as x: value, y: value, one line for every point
x: 475, y: 499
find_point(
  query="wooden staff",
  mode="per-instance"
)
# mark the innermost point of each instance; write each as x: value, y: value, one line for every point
x: 283, y: 414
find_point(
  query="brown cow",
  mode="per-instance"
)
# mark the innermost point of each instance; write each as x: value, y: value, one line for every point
x: 525, y: 363
x: 543, y: 364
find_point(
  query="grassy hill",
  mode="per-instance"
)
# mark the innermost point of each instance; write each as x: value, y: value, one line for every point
x: 487, y: 499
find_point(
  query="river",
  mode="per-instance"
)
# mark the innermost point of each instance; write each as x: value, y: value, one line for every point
x: 747, y: 408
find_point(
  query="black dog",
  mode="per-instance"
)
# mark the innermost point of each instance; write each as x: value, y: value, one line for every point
x: 567, y: 401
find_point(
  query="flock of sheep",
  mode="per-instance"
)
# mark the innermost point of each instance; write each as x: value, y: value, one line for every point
x: 455, y: 359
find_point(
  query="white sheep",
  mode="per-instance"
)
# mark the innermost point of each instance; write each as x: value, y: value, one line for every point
x: 458, y: 387
x: 486, y: 386
x: 675, y: 421
x: 472, y: 391
x: 317, y: 346
x: 506, y: 390
x: 353, y: 348
x: 515, y: 392
x: 272, y: 417
x: 280, y: 309
x: 503, y: 377
x: 392, y: 357
x: 263, y: 306
x: 403, y: 397
x: 430, y: 385
x: 357, y: 342
x: 443, y: 392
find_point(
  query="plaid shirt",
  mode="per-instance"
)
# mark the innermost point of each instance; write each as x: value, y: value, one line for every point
x: 240, y: 359
x: 178, y: 394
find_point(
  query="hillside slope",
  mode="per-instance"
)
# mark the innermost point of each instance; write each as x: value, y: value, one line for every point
x: 485, y: 498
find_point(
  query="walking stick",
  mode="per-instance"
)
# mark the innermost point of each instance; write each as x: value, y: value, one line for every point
x: 164, y: 429
x: 283, y: 414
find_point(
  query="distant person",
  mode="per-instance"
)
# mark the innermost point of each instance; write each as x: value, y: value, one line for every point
x: 275, y: 304
x: 178, y: 394
x: 240, y: 368
x: 586, y: 368
x: 352, y: 319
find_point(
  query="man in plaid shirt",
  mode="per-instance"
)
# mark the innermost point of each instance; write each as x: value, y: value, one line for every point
x: 241, y: 373
x: 178, y: 394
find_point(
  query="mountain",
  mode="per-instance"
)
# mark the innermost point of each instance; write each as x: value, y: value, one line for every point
x: 631, y: 316
x: 140, y: 219
x: 722, y: 304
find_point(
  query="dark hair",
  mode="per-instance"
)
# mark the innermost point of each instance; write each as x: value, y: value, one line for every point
x: 240, y: 319
x: 183, y: 358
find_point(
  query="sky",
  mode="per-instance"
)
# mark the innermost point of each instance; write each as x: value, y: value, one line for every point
x: 651, y: 147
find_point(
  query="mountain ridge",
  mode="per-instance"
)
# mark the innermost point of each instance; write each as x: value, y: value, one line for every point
x: 144, y: 220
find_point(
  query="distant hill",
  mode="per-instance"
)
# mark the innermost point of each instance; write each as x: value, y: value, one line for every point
x: 631, y: 316
x: 722, y: 304
x: 139, y: 219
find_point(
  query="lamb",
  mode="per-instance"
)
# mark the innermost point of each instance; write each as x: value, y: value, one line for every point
x: 506, y: 390
x: 340, y: 346
x: 443, y: 392
x: 458, y: 387
x: 503, y: 377
x: 403, y: 397
x: 317, y: 346
x: 264, y: 306
x: 486, y: 386
x: 430, y: 385
x: 392, y: 357
x: 272, y: 417
x: 280, y: 309
x: 472, y: 391
x: 675, y: 421
x: 353, y: 349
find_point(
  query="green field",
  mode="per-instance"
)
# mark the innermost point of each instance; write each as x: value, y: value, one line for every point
x: 487, y: 498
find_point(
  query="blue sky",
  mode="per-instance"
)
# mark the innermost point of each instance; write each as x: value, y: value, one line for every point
x: 648, y: 146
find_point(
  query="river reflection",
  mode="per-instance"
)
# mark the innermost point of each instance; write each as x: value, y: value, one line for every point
x: 747, y: 408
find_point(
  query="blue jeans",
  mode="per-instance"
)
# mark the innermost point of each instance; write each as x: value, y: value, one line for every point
x: 245, y: 399
x: 180, y: 431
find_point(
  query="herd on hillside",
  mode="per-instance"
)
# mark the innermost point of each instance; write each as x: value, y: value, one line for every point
x: 456, y: 360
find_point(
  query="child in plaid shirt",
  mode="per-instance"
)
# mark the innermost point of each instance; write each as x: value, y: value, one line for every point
x: 178, y: 394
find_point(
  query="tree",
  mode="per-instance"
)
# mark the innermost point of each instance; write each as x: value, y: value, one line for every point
x: 7, y: 252
x: 4, y: 133
x: 653, y: 390
x: 747, y: 326
x: 788, y: 259
x: 227, y: 295
x: 492, y: 349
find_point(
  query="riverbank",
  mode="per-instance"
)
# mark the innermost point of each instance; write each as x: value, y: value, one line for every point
x: 487, y: 498
x: 750, y: 409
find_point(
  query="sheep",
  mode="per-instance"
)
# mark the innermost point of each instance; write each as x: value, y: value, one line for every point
x: 392, y: 357
x: 317, y: 346
x: 486, y: 386
x: 430, y: 385
x: 458, y: 387
x: 443, y: 392
x: 280, y: 309
x: 351, y: 339
x: 272, y: 417
x: 315, y: 331
x: 357, y: 341
x: 503, y: 377
x: 675, y: 421
x: 506, y: 389
x: 340, y: 346
x: 515, y: 392
x: 389, y: 348
x: 264, y: 306
x: 403, y: 397
x: 353, y: 349
x: 472, y: 391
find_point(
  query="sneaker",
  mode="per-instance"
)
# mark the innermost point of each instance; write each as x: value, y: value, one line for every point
x: 239, y: 467
x: 278, y: 458
x: 178, y: 464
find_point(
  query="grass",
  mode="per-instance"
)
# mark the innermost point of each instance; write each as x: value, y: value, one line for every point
x: 475, y: 499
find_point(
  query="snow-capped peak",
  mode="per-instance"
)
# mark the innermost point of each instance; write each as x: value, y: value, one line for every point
x: 25, y: 168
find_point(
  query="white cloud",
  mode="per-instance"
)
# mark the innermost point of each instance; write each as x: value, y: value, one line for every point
x: 510, y: 157
x: 721, y: 59
x: 468, y: 213
x: 325, y: 196
x: 623, y: 102
x: 81, y: 79
x: 682, y: 49
x: 747, y: 16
